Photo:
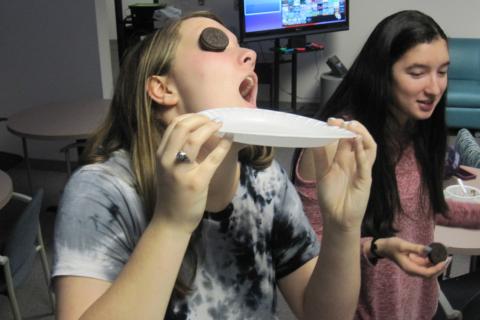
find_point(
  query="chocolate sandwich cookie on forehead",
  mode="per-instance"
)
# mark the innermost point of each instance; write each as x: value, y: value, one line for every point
x: 213, y: 39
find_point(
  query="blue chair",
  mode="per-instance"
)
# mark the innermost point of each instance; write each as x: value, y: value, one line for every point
x: 21, y: 247
x: 463, y: 93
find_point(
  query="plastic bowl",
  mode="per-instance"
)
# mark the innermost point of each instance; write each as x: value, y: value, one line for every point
x: 455, y: 192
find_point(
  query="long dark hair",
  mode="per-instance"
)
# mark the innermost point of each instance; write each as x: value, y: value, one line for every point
x: 366, y: 93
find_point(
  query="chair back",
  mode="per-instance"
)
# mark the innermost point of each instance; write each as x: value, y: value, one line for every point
x: 464, y: 59
x: 21, y: 243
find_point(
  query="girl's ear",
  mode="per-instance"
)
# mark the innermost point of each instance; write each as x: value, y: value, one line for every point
x: 162, y: 91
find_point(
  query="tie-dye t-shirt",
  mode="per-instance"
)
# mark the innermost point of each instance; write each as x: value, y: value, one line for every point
x: 262, y: 236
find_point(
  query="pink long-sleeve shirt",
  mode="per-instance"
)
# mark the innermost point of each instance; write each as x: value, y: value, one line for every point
x: 386, y: 291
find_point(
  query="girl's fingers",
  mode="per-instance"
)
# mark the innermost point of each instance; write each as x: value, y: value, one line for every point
x: 178, y: 136
x: 197, y: 139
x: 414, y: 248
x: 419, y: 259
x: 344, y: 148
x: 363, y: 146
x: 420, y: 267
x: 214, y: 159
x: 369, y: 144
x: 343, y: 156
x: 169, y: 129
x: 322, y: 164
x: 337, y: 122
x: 323, y: 155
x: 365, y: 149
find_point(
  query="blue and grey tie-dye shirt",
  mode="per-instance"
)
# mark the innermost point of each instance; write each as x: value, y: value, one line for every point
x: 262, y: 236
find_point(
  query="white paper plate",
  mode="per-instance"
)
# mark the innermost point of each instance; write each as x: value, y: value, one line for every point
x: 274, y: 128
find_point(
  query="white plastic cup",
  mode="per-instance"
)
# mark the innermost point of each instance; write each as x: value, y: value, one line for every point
x: 455, y: 192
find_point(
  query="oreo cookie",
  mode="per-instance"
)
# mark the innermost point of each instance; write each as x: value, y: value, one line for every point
x: 213, y: 39
x: 438, y: 252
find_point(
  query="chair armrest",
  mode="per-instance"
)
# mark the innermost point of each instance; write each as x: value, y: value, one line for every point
x: 3, y: 260
x: 21, y: 197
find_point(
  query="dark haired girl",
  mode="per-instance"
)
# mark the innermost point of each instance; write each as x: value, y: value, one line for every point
x: 396, y: 88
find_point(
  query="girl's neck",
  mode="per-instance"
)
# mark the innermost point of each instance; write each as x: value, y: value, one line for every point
x: 399, y: 133
x: 224, y: 183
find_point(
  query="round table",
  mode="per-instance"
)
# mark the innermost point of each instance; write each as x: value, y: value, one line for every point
x: 458, y: 240
x: 76, y: 120
x: 65, y: 121
x: 6, y: 189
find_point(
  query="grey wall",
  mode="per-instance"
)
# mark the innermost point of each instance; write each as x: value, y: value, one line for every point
x: 48, y: 54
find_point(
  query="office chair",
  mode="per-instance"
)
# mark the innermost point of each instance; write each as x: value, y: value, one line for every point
x: 8, y: 160
x: 463, y: 92
x: 21, y: 247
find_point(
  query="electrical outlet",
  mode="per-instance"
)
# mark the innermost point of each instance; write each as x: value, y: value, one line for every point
x: 201, y: 2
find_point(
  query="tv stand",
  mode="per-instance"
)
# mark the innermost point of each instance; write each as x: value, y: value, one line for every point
x: 297, y: 42
x: 292, y: 51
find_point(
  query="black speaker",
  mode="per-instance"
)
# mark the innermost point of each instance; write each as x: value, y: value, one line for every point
x: 337, y: 67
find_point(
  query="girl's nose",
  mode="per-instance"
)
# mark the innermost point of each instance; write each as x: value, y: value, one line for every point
x: 248, y: 56
x: 435, y: 85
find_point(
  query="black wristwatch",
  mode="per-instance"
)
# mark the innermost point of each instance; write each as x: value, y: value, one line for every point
x: 373, y: 251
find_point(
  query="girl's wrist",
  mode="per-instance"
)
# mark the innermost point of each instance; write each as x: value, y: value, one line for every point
x: 172, y: 224
x: 351, y: 227
x: 375, y: 251
x: 340, y: 232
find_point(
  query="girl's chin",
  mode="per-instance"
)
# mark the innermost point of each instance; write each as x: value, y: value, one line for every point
x: 424, y: 116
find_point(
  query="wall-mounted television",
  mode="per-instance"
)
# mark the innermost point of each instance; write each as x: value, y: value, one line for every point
x: 274, y: 19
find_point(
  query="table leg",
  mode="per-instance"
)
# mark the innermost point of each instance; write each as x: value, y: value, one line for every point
x: 294, y: 82
x: 276, y: 75
x: 474, y: 263
x: 27, y: 165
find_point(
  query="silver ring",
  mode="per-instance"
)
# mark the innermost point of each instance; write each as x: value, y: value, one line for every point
x: 182, y: 157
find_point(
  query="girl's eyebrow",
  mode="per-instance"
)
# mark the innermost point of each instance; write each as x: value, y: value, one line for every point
x: 417, y: 65
x: 424, y: 66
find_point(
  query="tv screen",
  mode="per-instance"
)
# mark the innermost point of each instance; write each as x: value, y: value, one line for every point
x: 271, y: 19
